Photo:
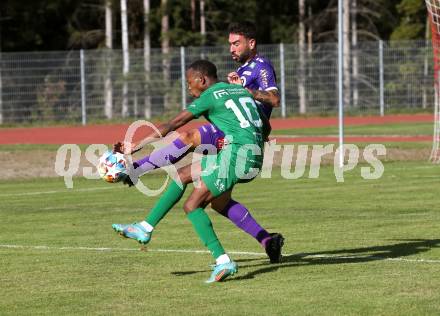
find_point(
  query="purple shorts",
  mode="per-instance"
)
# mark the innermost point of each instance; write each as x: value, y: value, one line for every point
x: 210, y: 135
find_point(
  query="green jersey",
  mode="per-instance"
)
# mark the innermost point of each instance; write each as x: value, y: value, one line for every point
x: 232, y: 109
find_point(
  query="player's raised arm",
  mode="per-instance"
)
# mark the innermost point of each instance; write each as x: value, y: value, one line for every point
x: 268, y: 90
x: 271, y: 97
x: 164, y: 129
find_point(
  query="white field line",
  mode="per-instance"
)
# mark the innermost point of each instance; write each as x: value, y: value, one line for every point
x: 244, y: 253
x: 104, y: 249
x: 57, y: 191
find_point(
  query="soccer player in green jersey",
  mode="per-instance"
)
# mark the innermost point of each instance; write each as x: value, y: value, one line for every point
x: 231, y: 108
x: 258, y: 76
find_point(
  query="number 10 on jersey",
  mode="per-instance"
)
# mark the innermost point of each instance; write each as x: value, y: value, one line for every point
x: 251, y: 113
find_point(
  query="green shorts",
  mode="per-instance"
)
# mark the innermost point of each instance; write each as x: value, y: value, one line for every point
x: 234, y: 164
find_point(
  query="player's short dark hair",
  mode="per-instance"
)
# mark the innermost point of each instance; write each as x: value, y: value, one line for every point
x: 245, y: 28
x: 205, y: 67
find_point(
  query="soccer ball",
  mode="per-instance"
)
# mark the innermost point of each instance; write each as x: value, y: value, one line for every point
x: 112, y: 167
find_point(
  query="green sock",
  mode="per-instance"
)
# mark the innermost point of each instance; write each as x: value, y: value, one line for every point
x: 166, y: 202
x: 203, y: 227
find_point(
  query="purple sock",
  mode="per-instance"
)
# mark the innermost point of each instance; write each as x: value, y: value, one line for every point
x: 165, y: 156
x: 241, y: 217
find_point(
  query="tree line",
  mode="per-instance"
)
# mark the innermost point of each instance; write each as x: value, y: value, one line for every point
x: 130, y: 24
x: 71, y: 24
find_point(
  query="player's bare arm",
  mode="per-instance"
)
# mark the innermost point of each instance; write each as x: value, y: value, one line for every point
x: 164, y: 129
x: 271, y: 97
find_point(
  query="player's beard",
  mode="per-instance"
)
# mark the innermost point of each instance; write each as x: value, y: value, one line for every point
x: 244, y: 56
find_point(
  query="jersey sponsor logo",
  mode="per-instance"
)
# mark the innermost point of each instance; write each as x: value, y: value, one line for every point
x: 247, y: 73
x: 219, y: 185
x: 264, y: 78
x: 220, y: 93
x: 235, y: 91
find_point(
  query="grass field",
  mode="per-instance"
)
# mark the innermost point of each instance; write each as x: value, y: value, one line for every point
x: 358, y: 247
x: 403, y: 129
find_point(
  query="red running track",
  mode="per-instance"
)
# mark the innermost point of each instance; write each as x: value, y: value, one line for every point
x: 108, y: 134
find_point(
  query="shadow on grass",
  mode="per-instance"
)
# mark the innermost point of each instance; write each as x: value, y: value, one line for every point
x: 347, y: 256
x: 342, y: 256
x: 182, y: 273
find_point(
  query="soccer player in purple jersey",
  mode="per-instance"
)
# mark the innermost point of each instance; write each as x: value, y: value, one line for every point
x: 257, y: 75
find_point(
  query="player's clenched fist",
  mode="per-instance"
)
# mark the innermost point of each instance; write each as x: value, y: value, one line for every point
x: 234, y: 78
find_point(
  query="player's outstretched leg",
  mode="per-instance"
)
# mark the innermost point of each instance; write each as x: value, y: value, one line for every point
x: 142, y: 231
x: 242, y: 218
x: 206, y: 134
x: 165, y: 156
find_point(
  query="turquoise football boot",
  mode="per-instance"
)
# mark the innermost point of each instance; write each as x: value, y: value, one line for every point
x: 134, y: 231
x: 119, y: 227
x: 222, y: 271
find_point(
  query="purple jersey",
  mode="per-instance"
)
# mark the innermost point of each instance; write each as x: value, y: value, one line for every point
x: 258, y: 74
